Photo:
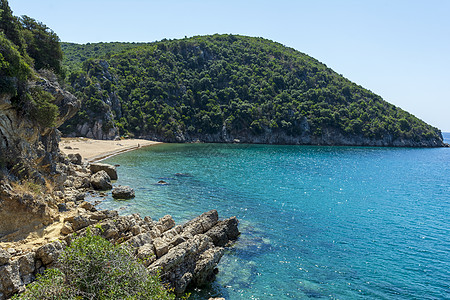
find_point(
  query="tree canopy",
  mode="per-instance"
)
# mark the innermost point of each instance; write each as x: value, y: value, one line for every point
x: 244, y: 86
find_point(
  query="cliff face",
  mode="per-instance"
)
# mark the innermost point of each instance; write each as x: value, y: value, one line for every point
x: 30, y: 152
x: 329, y: 137
x: 28, y: 149
x: 98, y: 119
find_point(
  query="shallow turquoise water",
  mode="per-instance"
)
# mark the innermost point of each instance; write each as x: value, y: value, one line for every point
x: 316, y: 222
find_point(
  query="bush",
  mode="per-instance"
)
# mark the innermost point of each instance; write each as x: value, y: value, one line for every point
x: 93, y: 268
x: 43, y: 110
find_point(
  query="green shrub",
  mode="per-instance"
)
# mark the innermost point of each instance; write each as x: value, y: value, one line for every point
x: 42, y: 108
x: 93, y: 268
x: 12, y: 65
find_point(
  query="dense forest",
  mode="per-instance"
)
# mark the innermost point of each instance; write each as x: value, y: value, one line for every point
x: 225, y: 87
x: 26, y: 46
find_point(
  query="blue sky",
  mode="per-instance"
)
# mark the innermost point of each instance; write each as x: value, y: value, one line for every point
x: 398, y: 49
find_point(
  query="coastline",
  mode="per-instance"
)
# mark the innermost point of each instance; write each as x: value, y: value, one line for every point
x: 96, y: 150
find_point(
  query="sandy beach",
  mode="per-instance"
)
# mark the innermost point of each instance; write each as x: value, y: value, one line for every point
x: 95, y: 150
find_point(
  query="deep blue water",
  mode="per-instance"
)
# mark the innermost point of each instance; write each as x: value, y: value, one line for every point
x: 316, y: 222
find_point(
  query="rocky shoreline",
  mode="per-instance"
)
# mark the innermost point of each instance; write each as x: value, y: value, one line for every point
x: 184, y: 255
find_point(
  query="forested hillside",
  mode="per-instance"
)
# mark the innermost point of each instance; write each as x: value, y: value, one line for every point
x: 223, y: 88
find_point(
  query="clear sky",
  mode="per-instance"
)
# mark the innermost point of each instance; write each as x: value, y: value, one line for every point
x: 399, y: 49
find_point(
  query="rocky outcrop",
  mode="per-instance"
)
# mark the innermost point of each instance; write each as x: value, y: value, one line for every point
x: 101, y: 181
x: 24, y: 211
x: 185, y: 255
x: 111, y: 170
x: 29, y: 150
x: 123, y: 192
x: 329, y: 137
x: 100, y: 125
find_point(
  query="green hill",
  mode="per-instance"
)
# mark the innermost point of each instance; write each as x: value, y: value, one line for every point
x: 223, y: 88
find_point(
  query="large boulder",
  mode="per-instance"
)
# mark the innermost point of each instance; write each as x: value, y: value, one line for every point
x: 109, y: 169
x: 101, y: 181
x: 123, y: 192
x: 10, y: 282
x: 49, y: 253
x: 224, y: 231
x: 4, y: 257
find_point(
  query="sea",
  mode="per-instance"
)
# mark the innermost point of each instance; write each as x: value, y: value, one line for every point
x: 316, y: 222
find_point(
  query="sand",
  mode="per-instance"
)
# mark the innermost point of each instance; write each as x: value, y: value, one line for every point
x: 96, y: 150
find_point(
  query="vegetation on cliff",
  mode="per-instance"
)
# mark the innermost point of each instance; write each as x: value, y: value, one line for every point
x: 27, y: 45
x: 244, y: 86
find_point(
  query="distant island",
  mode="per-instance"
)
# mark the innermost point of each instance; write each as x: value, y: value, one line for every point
x: 228, y: 88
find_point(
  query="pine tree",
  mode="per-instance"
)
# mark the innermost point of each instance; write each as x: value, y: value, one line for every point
x: 10, y: 26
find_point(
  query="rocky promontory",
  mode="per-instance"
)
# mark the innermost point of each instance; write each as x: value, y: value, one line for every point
x: 184, y: 255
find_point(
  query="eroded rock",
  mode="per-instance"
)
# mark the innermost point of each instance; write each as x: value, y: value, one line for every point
x: 123, y: 192
x: 109, y: 169
x: 101, y: 181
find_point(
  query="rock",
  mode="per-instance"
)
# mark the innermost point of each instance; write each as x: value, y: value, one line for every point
x: 62, y: 207
x: 140, y: 240
x: 49, y: 253
x: 165, y: 223
x: 162, y: 182
x: 87, y: 206
x: 101, y: 181
x: 146, y: 254
x: 123, y: 192
x: 75, y: 158
x: 27, y: 266
x: 109, y: 169
x: 161, y: 247
x: 202, y: 223
x: 205, y: 268
x: 224, y: 231
x: 66, y: 229
x: 190, y: 261
x: 81, y: 221
x: 10, y: 281
x: 4, y: 257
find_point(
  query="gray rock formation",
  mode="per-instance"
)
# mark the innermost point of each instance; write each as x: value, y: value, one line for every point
x: 30, y: 151
x: 110, y: 169
x: 123, y: 192
x: 101, y: 181
x: 329, y: 137
x: 75, y: 158
x: 4, y: 257
x: 101, y: 124
x: 184, y: 255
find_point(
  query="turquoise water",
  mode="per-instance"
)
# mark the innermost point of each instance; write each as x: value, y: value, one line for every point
x: 316, y: 222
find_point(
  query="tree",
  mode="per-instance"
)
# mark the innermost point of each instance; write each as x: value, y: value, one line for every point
x: 10, y: 26
x: 43, y: 45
